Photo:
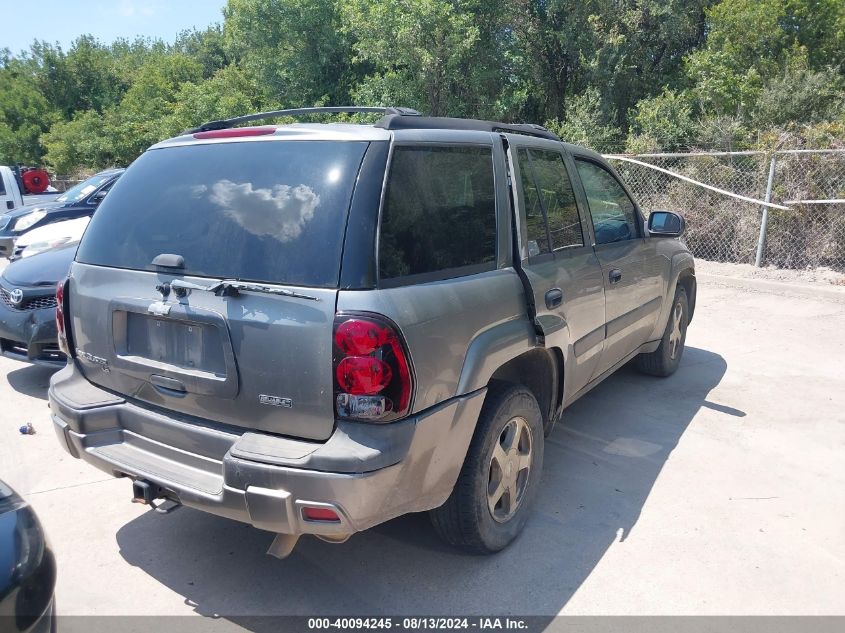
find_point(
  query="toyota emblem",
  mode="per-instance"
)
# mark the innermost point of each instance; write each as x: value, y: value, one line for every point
x: 16, y: 296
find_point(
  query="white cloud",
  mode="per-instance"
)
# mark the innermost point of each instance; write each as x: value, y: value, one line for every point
x: 131, y: 9
x: 280, y: 212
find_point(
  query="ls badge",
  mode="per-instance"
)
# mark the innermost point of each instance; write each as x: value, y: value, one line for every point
x: 275, y: 401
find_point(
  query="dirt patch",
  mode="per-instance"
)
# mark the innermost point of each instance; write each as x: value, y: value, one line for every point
x: 824, y: 276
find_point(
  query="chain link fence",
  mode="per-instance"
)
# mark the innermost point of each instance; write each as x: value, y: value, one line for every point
x: 808, y: 233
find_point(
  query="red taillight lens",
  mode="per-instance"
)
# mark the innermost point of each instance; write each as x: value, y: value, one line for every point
x: 372, y: 374
x: 359, y: 336
x: 363, y: 375
x: 64, y: 346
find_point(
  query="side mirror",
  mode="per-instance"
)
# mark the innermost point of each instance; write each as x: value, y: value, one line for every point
x: 97, y: 198
x: 665, y: 224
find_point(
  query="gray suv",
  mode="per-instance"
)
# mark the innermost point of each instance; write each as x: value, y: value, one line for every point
x: 314, y: 328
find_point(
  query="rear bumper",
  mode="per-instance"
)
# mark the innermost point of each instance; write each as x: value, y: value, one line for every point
x: 30, y: 335
x: 366, y: 473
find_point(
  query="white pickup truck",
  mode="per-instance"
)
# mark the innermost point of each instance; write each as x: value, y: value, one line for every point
x: 12, y: 195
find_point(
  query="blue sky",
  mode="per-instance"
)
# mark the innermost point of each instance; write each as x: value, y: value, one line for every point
x: 64, y: 20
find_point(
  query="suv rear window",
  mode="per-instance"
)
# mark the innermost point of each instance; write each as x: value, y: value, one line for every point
x: 271, y: 211
x: 439, y: 214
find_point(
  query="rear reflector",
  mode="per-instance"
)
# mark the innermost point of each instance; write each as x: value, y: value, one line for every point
x: 320, y: 514
x: 262, y: 130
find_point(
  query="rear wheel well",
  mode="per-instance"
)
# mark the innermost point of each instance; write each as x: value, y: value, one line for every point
x: 687, y: 281
x: 541, y: 371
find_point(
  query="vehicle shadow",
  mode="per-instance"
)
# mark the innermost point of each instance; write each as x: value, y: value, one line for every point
x: 600, y: 466
x: 31, y: 380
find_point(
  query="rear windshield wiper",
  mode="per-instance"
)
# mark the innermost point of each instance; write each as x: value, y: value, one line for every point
x: 233, y: 287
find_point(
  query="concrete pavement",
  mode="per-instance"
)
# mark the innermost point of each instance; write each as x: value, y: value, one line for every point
x: 717, y: 491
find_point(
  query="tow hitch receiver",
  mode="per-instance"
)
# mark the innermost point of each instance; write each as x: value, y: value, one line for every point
x: 146, y: 492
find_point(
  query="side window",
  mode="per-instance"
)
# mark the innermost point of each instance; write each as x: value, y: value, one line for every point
x: 614, y: 215
x: 551, y: 214
x: 439, y: 212
x: 2, y: 187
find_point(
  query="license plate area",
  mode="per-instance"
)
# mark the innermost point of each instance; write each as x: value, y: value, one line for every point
x: 189, y: 345
x: 184, y: 344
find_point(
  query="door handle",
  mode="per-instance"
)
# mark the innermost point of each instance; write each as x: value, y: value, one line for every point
x: 10, y: 205
x: 554, y: 298
x: 615, y: 276
x: 168, y: 386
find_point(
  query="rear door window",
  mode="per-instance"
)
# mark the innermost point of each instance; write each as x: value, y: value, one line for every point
x: 270, y: 211
x: 439, y: 215
x: 551, y: 213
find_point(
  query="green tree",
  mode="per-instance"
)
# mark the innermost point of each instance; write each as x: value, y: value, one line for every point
x: 664, y: 122
x: 82, y: 142
x: 25, y: 113
x: 208, y: 47
x: 230, y: 92
x: 83, y: 79
x: 585, y: 124
x: 800, y: 95
x: 552, y: 39
x: 427, y: 54
x: 639, y: 47
x: 296, y: 47
x: 122, y: 132
x: 750, y: 42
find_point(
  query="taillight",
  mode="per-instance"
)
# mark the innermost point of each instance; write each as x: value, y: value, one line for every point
x: 372, y: 372
x: 61, y: 308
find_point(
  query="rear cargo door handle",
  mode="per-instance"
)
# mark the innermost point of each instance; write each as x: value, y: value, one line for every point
x: 167, y: 385
x: 614, y: 275
x: 554, y: 298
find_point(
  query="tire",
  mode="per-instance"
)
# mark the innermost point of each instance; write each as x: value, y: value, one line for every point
x: 510, y: 418
x: 665, y: 359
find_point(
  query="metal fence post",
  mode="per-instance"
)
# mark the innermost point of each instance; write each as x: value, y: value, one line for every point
x: 761, y: 242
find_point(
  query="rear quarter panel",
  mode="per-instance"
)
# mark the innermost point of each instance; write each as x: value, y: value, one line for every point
x: 458, y: 331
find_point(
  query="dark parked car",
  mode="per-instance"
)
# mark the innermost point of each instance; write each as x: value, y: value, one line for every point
x: 79, y: 201
x: 27, y: 568
x: 28, y: 306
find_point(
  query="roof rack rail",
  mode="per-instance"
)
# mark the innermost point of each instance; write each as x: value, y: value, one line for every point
x: 227, y: 123
x: 393, y: 122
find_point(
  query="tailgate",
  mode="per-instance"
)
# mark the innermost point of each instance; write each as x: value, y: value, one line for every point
x: 254, y: 360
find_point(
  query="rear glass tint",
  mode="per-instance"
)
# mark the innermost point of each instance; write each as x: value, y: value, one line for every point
x: 439, y: 212
x: 272, y: 211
